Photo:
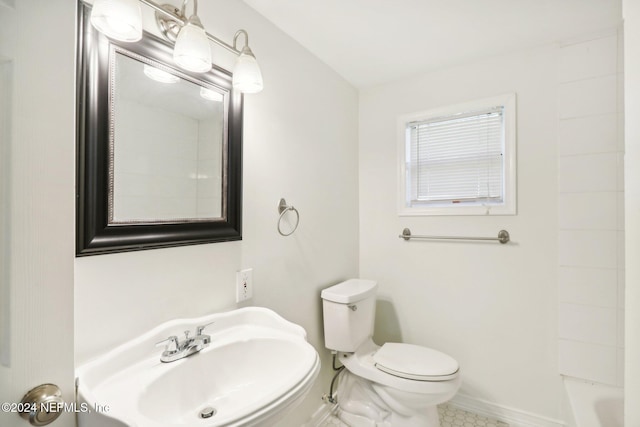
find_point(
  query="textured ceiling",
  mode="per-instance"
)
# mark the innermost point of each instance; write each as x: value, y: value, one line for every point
x: 373, y: 41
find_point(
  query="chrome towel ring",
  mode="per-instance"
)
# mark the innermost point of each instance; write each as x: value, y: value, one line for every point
x: 282, y: 209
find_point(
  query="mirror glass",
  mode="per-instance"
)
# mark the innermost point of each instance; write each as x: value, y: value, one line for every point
x: 167, y: 145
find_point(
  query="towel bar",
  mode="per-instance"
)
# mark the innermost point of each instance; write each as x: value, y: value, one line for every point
x: 503, y: 237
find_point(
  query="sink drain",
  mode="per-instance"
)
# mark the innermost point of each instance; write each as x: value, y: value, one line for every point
x: 207, y: 412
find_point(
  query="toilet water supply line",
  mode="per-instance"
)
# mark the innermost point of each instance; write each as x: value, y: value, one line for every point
x: 339, y: 370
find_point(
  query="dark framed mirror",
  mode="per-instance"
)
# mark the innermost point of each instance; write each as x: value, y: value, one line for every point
x: 159, y: 150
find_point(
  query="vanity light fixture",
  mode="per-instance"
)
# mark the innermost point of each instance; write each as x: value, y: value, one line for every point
x: 159, y: 75
x: 118, y: 19
x: 191, y: 51
x: 247, y: 77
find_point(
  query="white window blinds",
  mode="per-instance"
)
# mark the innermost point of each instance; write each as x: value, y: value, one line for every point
x: 457, y: 159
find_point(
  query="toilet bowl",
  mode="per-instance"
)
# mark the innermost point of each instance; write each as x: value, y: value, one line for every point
x: 393, y: 385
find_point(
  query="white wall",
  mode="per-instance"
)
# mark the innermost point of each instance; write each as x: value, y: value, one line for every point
x: 493, y: 307
x: 591, y: 210
x: 631, y: 13
x: 300, y: 142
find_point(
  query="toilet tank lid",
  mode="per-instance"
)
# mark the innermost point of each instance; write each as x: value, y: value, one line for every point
x: 349, y: 291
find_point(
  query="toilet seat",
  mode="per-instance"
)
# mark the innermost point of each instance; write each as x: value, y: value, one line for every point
x: 415, y: 362
x: 362, y: 364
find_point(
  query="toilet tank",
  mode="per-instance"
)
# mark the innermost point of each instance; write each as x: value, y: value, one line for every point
x: 349, y: 310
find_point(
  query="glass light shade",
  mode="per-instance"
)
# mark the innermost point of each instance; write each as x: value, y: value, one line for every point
x: 247, y: 77
x: 192, y: 51
x: 118, y: 19
x: 160, y: 75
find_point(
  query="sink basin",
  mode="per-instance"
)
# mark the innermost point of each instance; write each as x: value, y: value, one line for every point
x: 257, y: 367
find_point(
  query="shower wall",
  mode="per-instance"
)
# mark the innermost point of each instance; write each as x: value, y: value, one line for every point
x: 591, y: 210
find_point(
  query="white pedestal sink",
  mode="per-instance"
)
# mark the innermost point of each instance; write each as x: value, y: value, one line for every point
x: 257, y: 366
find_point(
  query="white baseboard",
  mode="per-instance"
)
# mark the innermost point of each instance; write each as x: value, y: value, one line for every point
x: 511, y: 416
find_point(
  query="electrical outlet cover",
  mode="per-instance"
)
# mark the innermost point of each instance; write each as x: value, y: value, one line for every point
x: 244, y: 284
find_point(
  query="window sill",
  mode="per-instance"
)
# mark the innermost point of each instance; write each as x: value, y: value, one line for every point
x: 456, y: 210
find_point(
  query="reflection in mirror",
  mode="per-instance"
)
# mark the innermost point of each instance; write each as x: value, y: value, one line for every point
x: 167, y: 145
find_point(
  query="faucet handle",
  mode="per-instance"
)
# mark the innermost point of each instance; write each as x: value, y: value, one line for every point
x: 205, y: 339
x: 172, y: 340
x: 201, y: 328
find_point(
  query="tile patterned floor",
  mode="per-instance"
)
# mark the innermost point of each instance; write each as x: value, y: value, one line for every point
x: 454, y: 417
x: 449, y: 417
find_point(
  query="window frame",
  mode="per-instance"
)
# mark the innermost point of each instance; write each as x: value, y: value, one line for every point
x: 508, y: 207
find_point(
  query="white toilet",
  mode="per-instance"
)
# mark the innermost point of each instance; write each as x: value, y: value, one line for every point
x: 396, y: 385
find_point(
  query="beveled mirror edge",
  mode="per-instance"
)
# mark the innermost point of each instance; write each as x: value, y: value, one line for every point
x: 93, y: 234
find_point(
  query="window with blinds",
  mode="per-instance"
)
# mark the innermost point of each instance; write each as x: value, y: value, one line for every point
x: 460, y: 159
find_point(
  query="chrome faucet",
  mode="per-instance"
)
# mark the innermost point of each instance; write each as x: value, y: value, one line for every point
x: 176, y: 349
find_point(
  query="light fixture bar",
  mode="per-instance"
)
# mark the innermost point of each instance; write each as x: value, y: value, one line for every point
x: 222, y: 44
x: 168, y: 14
x: 155, y: 6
